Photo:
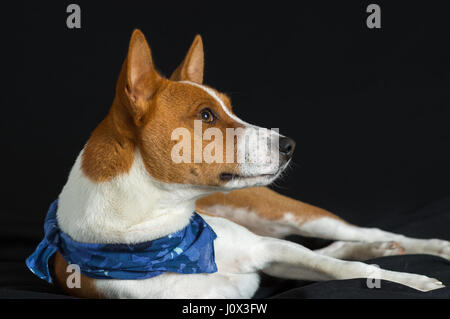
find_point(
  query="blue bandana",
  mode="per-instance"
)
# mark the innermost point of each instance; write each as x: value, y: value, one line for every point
x: 188, y: 251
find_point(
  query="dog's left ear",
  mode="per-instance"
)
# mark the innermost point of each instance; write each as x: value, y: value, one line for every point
x: 191, y: 69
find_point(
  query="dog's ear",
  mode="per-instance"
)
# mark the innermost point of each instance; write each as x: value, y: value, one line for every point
x: 142, y: 80
x: 191, y: 69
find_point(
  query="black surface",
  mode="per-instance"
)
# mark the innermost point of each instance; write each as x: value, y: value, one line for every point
x: 427, y: 222
x: 369, y: 109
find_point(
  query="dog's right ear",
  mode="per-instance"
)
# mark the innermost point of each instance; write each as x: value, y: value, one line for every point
x: 191, y: 69
x: 141, y: 78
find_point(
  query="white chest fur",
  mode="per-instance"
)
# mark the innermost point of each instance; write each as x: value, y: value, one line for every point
x: 132, y: 208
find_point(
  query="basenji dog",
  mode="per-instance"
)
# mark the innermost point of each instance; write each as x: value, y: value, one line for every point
x: 125, y: 188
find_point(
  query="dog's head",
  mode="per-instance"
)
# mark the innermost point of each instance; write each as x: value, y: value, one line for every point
x: 186, y: 132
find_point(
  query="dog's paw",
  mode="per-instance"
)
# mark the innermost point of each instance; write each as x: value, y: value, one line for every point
x: 437, y: 247
x: 386, y: 248
x: 420, y: 282
x: 415, y: 281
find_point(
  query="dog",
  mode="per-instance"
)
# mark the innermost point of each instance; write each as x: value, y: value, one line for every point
x: 125, y: 190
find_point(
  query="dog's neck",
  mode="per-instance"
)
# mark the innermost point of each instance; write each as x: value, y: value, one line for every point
x: 132, y: 207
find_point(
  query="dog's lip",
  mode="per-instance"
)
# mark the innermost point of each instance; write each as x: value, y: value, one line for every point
x: 230, y: 176
x: 225, y: 176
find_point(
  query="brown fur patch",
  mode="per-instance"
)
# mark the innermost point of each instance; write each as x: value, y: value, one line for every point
x: 265, y: 202
x: 87, y: 286
x: 106, y: 155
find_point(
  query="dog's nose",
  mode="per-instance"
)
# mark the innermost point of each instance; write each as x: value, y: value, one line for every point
x: 286, y: 146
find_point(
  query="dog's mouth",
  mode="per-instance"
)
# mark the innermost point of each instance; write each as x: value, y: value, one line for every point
x: 230, y: 176
x: 226, y: 177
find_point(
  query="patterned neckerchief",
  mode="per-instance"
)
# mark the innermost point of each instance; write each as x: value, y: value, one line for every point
x: 188, y: 251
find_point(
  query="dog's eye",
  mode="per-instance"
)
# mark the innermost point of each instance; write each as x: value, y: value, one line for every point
x: 207, y: 116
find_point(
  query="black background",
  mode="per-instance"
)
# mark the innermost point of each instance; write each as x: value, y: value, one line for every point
x: 369, y: 109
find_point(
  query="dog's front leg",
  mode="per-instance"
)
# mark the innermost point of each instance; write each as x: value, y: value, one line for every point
x: 289, y: 260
